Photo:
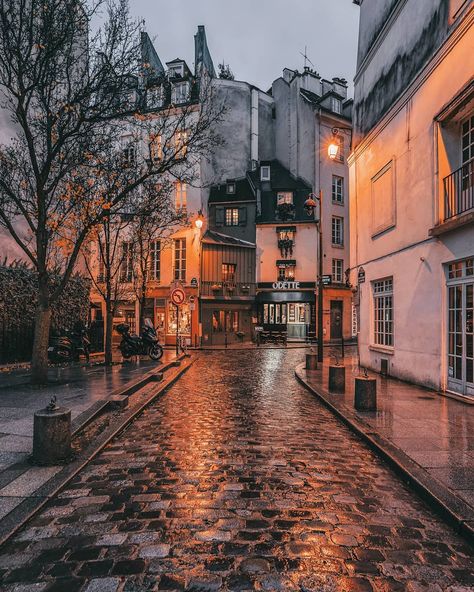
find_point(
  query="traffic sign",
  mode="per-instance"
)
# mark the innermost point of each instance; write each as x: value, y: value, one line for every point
x: 326, y: 280
x: 178, y: 296
x: 192, y: 299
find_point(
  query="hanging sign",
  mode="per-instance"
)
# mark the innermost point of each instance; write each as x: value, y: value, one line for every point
x: 361, y: 275
x: 178, y: 296
x: 326, y: 280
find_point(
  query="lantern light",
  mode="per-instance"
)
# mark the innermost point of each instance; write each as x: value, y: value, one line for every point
x: 310, y: 204
x: 199, y: 220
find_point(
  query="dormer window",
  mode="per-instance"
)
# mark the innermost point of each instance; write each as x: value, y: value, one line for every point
x: 230, y: 189
x: 180, y: 92
x: 155, y: 97
x: 284, y: 197
x: 336, y: 105
x: 176, y: 71
x: 265, y: 173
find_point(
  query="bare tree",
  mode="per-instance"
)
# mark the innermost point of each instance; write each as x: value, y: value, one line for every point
x: 72, y: 97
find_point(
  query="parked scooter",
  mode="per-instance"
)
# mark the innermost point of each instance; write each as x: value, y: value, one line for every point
x: 145, y: 344
x: 69, y: 346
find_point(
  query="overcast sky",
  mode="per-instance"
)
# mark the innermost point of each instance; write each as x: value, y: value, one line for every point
x: 257, y: 38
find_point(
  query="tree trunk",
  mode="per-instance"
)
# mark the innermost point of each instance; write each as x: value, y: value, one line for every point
x: 39, y: 359
x: 109, y: 327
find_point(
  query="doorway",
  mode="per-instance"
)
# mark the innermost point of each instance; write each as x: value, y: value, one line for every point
x: 336, y: 319
x: 461, y: 338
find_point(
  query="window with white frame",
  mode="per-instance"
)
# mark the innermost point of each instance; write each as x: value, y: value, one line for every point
x: 129, y: 153
x: 155, y: 260
x: 467, y: 139
x: 126, y: 267
x: 228, y: 272
x: 338, y: 231
x: 180, y: 259
x: 337, y: 189
x: 284, y: 197
x: 337, y: 270
x: 383, y: 312
x: 156, y: 148
x: 336, y: 105
x: 265, y: 173
x: 180, y: 195
x: 181, y: 143
x: 176, y: 71
x: 155, y: 97
x: 180, y: 92
x: 231, y: 217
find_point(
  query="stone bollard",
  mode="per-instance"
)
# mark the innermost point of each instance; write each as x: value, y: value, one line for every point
x: 337, y: 378
x: 52, y: 434
x: 365, y: 393
x: 311, y: 360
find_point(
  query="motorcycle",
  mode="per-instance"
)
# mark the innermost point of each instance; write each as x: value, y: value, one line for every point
x: 69, y: 346
x: 145, y: 344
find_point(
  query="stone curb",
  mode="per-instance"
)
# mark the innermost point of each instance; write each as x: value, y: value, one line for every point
x: 17, y: 518
x: 451, y: 507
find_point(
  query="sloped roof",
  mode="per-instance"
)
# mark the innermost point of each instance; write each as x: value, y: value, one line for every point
x: 243, y: 192
x: 280, y: 178
x: 216, y: 238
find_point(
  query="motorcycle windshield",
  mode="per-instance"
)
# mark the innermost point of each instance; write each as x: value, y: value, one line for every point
x: 148, y: 324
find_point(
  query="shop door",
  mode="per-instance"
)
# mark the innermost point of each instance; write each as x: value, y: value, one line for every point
x: 336, y: 319
x: 298, y: 319
x: 461, y: 338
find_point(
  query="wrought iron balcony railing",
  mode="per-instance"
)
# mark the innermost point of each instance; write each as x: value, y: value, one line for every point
x: 459, y: 191
x: 227, y: 289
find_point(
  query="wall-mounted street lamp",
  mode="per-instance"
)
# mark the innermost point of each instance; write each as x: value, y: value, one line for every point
x: 199, y: 220
x: 335, y: 143
x: 310, y: 204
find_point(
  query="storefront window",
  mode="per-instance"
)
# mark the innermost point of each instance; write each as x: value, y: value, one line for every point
x: 225, y: 320
x: 183, y: 319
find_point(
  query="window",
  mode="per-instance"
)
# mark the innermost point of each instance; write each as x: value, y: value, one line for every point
x: 180, y: 92
x: 383, y: 200
x: 340, y: 153
x: 286, y: 272
x: 225, y: 321
x: 337, y: 189
x: 284, y: 234
x: 129, y: 154
x: 156, y: 149
x: 467, y: 139
x: 126, y: 266
x: 337, y: 231
x: 230, y: 187
x: 181, y: 143
x: 180, y: 259
x: 337, y: 270
x: 155, y: 260
x: 383, y: 312
x: 461, y: 269
x: 181, y: 316
x: 265, y: 173
x: 336, y: 105
x: 284, y: 197
x: 155, y: 97
x: 180, y: 195
x: 228, y: 272
x: 101, y: 270
x: 176, y: 71
x: 231, y: 217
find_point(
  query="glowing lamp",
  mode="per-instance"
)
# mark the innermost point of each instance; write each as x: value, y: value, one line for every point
x: 199, y: 220
x: 310, y: 205
x: 333, y: 149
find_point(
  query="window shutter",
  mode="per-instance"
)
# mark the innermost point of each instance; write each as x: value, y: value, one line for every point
x: 243, y: 216
x: 219, y: 216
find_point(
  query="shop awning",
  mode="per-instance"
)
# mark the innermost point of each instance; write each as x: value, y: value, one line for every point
x: 282, y: 296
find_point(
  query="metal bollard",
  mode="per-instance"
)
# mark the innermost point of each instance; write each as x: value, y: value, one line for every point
x: 311, y: 360
x: 365, y: 398
x: 52, y: 434
x: 337, y: 378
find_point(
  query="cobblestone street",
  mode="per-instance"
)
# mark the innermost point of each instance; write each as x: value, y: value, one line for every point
x: 237, y: 479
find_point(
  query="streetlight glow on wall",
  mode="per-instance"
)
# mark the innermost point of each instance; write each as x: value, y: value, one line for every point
x: 199, y: 220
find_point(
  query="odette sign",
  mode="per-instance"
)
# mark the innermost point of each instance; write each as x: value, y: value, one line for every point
x: 286, y: 286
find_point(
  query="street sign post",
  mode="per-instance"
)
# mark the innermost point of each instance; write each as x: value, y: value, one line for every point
x: 178, y: 296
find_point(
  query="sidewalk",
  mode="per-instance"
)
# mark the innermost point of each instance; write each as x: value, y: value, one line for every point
x: 429, y: 438
x: 79, y: 388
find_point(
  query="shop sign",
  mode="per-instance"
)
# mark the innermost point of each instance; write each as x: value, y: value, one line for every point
x: 258, y: 329
x: 193, y: 283
x: 326, y: 280
x: 361, y: 275
x: 286, y: 285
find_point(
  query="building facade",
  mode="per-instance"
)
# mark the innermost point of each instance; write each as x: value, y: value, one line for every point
x: 412, y: 191
x: 310, y: 114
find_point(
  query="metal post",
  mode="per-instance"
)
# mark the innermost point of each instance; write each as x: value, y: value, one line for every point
x: 342, y: 331
x: 320, y: 291
x: 177, y: 330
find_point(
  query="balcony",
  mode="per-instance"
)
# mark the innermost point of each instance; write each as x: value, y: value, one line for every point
x: 458, y: 200
x: 227, y: 290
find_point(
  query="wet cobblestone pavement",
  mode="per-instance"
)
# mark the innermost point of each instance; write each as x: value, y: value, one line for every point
x: 237, y: 479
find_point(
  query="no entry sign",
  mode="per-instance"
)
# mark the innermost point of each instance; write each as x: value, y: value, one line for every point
x: 178, y: 296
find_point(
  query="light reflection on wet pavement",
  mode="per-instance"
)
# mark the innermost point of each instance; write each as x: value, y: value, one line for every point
x: 238, y: 479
